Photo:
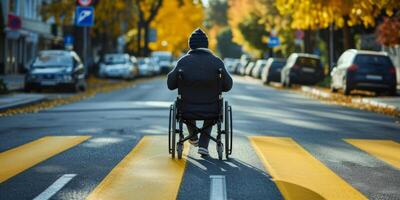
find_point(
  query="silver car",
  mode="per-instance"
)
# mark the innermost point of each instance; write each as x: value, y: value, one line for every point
x: 119, y: 66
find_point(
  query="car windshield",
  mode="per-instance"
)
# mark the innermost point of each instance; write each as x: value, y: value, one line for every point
x: 142, y: 62
x: 164, y: 58
x: 115, y: 59
x: 375, y: 60
x: 55, y: 60
x: 277, y: 64
x: 308, y: 62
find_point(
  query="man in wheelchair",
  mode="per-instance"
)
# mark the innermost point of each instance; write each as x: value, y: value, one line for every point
x: 200, y: 78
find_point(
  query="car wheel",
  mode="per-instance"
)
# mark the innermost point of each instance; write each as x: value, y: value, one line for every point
x: 393, y: 91
x: 346, y: 88
x: 27, y: 88
x: 78, y: 87
x: 83, y: 86
x: 333, y: 89
x: 288, y: 82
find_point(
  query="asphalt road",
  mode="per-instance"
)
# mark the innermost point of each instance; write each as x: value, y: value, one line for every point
x: 303, y: 151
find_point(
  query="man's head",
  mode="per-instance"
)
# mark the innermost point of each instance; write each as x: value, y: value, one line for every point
x: 198, y: 39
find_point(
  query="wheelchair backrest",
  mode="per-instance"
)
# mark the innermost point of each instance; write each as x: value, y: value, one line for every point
x: 200, y: 94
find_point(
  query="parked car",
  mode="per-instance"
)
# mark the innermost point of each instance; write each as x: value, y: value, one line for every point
x: 244, y: 61
x: 302, y: 68
x: 365, y: 70
x: 258, y: 67
x: 146, y: 67
x: 249, y: 68
x: 164, y: 59
x: 119, y: 65
x: 272, y: 70
x: 230, y: 64
x: 56, y: 68
x: 156, y: 66
x: 236, y: 67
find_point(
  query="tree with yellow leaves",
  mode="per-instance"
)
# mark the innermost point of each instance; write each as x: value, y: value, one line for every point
x: 174, y: 24
x: 252, y: 23
x: 315, y: 14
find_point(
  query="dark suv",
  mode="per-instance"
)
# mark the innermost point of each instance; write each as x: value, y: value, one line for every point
x: 302, y: 68
x: 364, y: 70
x: 56, y: 68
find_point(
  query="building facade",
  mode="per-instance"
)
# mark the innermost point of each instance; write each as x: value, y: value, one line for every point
x: 24, y: 33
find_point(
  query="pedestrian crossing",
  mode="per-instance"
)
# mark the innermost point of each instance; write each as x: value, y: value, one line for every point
x: 145, y: 173
x: 148, y: 172
x: 19, y: 159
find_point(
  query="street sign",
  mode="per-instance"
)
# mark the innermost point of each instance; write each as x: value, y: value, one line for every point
x: 85, y: 2
x: 84, y: 16
x: 273, y: 41
x: 14, y: 22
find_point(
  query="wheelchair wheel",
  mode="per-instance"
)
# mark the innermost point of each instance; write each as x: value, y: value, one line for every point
x: 172, y: 131
x: 228, y: 130
x: 179, y: 150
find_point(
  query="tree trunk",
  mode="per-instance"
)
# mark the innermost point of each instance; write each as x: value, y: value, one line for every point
x: 348, y: 39
x: 346, y: 36
x: 139, y: 39
x: 308, y: 41
x: 146, y: 39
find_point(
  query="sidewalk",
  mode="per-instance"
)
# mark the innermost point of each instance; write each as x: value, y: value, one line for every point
x: 14, y: 82
x: 392, y: 103
x: 14, y: 100
x: 389, y: 102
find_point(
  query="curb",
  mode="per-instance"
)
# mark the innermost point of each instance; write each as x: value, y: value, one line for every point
x: 316, y: 92
x: 374, y: 103
x: 327, y: 95
x: 22, y: 103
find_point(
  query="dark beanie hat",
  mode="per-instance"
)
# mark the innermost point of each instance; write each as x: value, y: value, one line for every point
x: 198, y: 39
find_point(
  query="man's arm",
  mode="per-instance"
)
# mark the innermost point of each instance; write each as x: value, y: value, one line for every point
x: 172, y: 78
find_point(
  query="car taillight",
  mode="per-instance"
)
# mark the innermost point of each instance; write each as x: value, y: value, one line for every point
x: 392, y: 70
x: 353, y: 68
x: 296, y: 67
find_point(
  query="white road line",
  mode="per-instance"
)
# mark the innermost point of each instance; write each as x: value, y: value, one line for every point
x: 218, y: 187
x: 55, y: 187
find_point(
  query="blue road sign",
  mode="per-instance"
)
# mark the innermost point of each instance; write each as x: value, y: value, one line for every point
x: 84, y: 16
x: 273, y: 42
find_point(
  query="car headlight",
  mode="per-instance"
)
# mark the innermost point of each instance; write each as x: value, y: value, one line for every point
x: 68, y: 70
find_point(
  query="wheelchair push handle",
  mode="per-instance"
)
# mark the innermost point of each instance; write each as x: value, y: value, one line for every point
x: 220, y: 73
x: 180, y: 74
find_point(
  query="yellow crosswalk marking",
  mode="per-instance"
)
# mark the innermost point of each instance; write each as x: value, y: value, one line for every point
x: 17, y: 160
x: 147, y: 172
x: 386, y: 150
x: 298, y: 174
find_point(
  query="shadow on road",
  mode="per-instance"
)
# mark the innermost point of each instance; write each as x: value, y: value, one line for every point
x: 196, y: 182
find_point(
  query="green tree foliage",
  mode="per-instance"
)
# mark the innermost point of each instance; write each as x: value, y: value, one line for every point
x: 217, y: 13
x: 254, y: 32
x: 225, y: 46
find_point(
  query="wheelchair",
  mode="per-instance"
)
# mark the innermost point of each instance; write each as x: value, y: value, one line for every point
x: 220, y: 115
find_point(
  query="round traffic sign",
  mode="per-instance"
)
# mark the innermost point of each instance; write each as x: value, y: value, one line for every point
x: 85, y: 2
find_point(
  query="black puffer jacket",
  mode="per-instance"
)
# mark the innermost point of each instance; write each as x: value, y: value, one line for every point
x: 200, y: 83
